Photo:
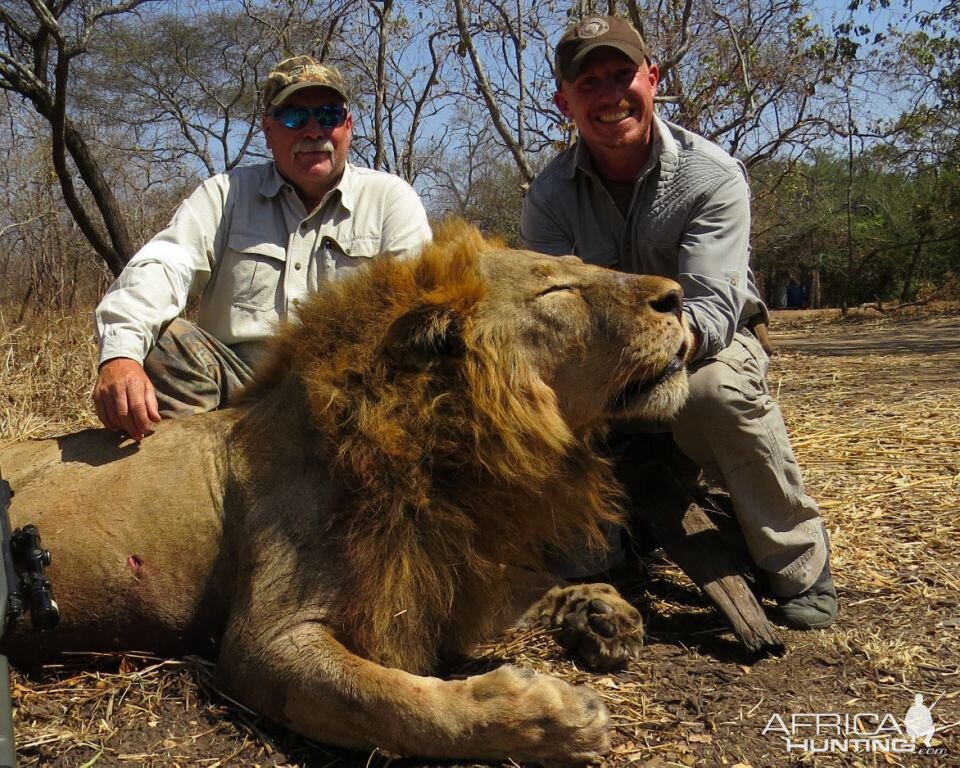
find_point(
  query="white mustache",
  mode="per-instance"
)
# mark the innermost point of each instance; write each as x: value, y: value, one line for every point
x: 313, y: 145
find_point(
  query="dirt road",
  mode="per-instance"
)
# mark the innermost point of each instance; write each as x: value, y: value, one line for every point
x: 932, y: 335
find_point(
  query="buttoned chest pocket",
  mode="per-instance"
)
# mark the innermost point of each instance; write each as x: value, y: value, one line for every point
x: 343, y: 256
x: 253, y: 273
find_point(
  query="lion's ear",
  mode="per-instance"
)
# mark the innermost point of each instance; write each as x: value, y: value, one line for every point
x: 425, y: 337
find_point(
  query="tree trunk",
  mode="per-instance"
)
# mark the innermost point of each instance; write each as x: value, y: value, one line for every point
x: 905, y: 294
x: 66, y: 138
x: 664, y: 493
x: 814, y: 293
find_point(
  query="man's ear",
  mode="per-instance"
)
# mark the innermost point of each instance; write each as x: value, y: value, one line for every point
x: 425, y: 338
x: 653, y: 77
x: 561, y: 101
x: 267, y: 132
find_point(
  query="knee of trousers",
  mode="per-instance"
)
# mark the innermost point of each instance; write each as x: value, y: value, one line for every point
x: 177, y: 345
x: 728, y: 413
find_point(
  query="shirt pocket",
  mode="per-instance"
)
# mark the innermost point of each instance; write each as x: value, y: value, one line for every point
x: 253, y: 273
x: 344, y: 255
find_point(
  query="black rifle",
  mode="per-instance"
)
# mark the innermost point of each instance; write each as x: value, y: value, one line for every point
x: 23, y: 588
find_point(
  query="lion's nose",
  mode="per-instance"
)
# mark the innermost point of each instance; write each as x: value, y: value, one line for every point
x: 668, y: 300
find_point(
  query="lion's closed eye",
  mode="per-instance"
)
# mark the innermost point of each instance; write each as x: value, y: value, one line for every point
x: 559, y: 288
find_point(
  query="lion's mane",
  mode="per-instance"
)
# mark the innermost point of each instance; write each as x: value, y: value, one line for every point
x: 448, y: 454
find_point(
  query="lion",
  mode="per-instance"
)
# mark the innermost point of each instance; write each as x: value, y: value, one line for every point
x: 381, y: 500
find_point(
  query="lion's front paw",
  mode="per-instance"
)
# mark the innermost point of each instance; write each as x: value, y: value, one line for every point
x: 594, y: 623
x: 538, y: 718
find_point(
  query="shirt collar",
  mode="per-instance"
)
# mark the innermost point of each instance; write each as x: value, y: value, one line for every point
x: 273, y: 183
x: 664, y: 146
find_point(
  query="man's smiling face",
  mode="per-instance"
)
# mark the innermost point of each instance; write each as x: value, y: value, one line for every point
x: 611, y: 100
x: 311, y: 158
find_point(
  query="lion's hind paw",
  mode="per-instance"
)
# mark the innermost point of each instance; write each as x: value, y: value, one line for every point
x: 594, y: 623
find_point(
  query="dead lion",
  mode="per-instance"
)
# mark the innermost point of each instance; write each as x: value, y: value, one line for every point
x: 343, y: 529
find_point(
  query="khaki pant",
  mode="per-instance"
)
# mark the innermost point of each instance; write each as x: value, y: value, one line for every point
x: 732, y: 428
x: 193, y: 372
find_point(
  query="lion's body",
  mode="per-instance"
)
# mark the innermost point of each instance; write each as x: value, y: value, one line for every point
x: 343, y: 529
x: 107, y: 514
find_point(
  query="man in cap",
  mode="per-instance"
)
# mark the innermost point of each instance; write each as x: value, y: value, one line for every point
x: 251, y: 243
x: 642, y: 195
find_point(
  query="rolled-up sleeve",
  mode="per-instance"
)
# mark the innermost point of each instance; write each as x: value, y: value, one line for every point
x: 156, y: 284
x: 713, y: 263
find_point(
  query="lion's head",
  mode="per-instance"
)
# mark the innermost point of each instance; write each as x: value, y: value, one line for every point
x: 462, y: 389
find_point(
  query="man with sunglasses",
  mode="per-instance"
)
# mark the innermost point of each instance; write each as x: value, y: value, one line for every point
x: 250, y: 243
x: 642, y: 195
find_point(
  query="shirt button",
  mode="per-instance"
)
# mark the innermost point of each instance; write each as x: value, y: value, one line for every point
x: 297, y: 265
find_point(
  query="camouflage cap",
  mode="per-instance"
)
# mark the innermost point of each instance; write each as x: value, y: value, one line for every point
x: 295, y: 74
x: 597, y: 32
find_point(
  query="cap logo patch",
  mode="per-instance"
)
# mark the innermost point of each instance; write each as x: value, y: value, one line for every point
x: 594, y: 27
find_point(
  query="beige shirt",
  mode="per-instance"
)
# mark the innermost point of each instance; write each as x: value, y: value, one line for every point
x: 246, y: 245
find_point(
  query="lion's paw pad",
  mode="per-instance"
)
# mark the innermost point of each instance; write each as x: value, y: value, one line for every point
x: 595, y: 623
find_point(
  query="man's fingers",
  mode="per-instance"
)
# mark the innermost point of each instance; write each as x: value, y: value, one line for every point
x: 124, y: 416
x: 142, y: 404
x: 153, y: 407
x: 125, y: 399
x: 101, y: 407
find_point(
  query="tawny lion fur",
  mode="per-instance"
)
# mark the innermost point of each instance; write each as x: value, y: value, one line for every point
x: 382, y: 499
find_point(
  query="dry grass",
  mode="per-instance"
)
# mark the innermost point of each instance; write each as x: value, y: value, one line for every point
x: 871, y: 401
x: 878, y: 437
x: 47, y: 367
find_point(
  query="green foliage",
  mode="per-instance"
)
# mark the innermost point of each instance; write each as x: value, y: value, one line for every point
x: 903, y: 228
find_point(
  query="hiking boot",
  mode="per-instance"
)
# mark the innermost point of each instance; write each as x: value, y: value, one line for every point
x: 816, y: 608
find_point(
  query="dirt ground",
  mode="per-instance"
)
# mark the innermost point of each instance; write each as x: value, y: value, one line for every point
x: 873, y: 404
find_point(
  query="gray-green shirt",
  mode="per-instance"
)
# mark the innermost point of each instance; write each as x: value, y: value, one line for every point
x: 689, y: 220
x: 245, y: 244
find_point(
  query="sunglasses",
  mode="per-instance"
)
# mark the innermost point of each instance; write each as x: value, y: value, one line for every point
x: 294, y: 118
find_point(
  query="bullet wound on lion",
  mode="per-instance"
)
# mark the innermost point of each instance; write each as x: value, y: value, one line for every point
x: 135, y: 562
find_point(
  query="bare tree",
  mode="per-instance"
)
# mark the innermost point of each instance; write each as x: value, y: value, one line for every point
x: 188, y: 88
x: 41, y: 42
x: 403, y: 81
x: 747, y: 74
x: 505, y: 46
x: 477, y: 181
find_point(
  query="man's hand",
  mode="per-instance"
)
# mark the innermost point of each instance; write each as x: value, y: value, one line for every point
x: 125, y: 399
